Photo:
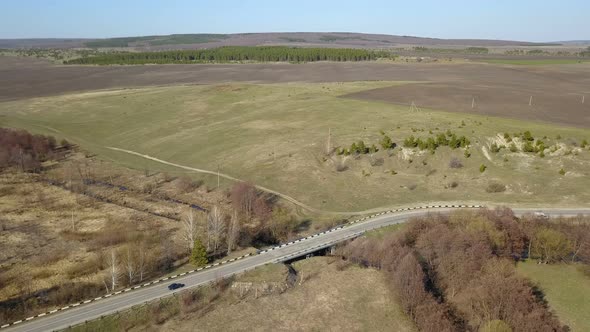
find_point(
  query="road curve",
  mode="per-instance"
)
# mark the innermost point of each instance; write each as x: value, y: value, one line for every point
x: 109, y: 305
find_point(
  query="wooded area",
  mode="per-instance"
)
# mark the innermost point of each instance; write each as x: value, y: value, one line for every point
x: 457, y: 272
x: 236, y: 54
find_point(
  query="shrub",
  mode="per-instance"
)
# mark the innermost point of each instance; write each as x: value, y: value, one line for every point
x: 482, y: 168
x: 495, y: 187
x: 584, y: 144
x: 528, y: 147
x: 562, y: 171
x: 494, y: 148
x: 467, y: 153
x: 386, y: 142
x: 526, y: 136
x: 513, y: 148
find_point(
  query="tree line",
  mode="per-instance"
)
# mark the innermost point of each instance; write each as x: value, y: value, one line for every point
x: 457, y: 272
x: 235, y: 54
x: 21, y: 149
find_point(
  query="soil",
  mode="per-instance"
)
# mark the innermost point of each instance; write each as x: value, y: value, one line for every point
x: 501, y: 90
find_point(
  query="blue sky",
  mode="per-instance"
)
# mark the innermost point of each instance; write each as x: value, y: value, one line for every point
x: 530, y: 20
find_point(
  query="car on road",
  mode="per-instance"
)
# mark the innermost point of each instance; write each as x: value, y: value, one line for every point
x: 539, y: 214
x: 175, y: 285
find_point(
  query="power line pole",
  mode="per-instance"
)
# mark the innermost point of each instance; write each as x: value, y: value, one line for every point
x: 583, y: 97
x: 473, y: 102
x: 329, y: 140
x: 217, y: 176
x: 531, y: 101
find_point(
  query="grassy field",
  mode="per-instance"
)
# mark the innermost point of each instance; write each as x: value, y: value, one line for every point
x: 330, y: 297
x: 566, y: 289
x: 275, y: 135
x: 536, y: 62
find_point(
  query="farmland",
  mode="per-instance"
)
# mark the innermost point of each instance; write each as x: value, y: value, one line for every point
x: 275, y: 135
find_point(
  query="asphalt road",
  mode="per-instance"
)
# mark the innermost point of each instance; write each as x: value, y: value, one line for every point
x: 112, y: 304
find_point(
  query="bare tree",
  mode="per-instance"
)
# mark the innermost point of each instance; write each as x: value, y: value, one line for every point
x: 130, y: 266
x: 243, y: 195
x: 215, y: 228
x: 233, y: 232
x: 141, y: 261
x: 189, y: 229
x: 112, y: 271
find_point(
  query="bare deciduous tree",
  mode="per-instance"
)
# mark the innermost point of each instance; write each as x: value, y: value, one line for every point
x: 112, y: 271
x: 243, y: 195
x: 141, y: 261
x: 215, y: 228
x: 130, y: 266
x: 233, y: 232
x: 189, y: 229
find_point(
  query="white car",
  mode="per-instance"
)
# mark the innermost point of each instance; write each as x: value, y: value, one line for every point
x: 540, y: 214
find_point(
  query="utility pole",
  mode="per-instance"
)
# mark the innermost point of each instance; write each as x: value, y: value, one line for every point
x: 583, y: 98
x: 329, y: 140
x: 217, y: 176
x: 473, y: 102
x: 531, y: 101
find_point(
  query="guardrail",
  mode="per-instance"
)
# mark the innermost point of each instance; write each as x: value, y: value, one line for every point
x: 281, y: 259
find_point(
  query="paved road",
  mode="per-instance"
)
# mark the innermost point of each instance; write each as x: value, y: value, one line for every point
x: 78, y: 314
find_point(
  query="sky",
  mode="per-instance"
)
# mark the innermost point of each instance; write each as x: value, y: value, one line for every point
x: 524, y: 20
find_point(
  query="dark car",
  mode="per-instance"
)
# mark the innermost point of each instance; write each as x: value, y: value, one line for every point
x: 175, y: 285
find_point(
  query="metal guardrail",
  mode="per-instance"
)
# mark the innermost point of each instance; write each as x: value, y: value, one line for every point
x: 278, y: 260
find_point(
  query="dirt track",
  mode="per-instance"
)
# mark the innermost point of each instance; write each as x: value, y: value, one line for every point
x: 499, y: 90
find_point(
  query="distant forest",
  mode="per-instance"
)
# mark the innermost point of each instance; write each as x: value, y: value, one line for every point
x: 235, y: 54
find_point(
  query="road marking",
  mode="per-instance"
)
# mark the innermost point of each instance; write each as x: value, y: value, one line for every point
x: 249, y: 254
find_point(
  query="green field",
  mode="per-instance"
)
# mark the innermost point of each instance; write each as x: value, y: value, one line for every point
x: 275, y: 135
x: 566, y: 289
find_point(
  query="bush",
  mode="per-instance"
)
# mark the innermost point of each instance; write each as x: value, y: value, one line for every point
x: 386, y: 142
x: 482, y: 168
x: 562, y: 171
x: 455, y: 163
x: 526, y: 136
x: 513, y: 148
x: 467, y: 153
x: 584, y: 144
x: 495, y: 187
